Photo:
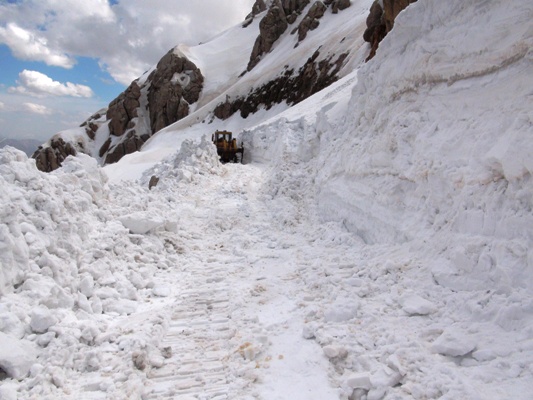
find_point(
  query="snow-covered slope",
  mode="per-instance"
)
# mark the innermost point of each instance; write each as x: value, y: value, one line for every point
x: 213, y: 81
x: 376, y: 244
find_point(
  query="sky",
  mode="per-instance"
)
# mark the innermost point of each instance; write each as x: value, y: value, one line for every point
x: 63, y: 60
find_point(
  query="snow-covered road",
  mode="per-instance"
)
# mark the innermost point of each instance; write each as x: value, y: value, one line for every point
x: 222, y: 283
x: 236, y: 317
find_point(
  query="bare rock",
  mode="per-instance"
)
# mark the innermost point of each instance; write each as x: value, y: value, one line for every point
x: 49, y: 158
x: 311, y: 20
x: 123, y: 109
x: 391, y: 9
x: 175, y: 84
x: 131, y: 144
x: 154, y: 180
x: 339, y: 5
x: 271, y: 27
x: 380, y: 21
x: 258, y: 7
x: 290, y: 86
x: 139, y: 359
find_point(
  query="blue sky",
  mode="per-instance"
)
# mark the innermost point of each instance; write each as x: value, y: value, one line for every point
x: 63, y: 60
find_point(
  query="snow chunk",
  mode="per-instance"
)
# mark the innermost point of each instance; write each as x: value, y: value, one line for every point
x: 141, y: 222
x: 341, y: 310
x: 41, y: 319
x: 16, y: 356
x: 359, y: 381
x: 454, y: 343
x: 161, y: 291
x: 415, y: 305
x: 122, y: 307
x: 183, y: 79
x: 334, y: 351
x: 86, y: 286
x: 385, y: 377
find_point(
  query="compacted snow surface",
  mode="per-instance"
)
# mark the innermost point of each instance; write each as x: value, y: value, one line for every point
x: 376, y: 244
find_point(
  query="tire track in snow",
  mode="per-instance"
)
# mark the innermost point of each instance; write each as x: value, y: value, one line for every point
x: 235, y: 332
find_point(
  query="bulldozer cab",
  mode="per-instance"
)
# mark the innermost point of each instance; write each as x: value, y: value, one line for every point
x: 227, y: 148
x: 223, y: 137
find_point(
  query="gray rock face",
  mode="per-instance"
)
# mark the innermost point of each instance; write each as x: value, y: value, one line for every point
x: 123, y: 109
x: 380, y: 21
x: 258, y: 7
x: 290, y: 86
x: 281, y: 14
x: 311, y: 20
x: 340, y: 5
x: 174, y: 85
x: 49, y: 158
x: 167, y: 93
x: 271, y: 27
x: 130, y: 144
x: 171, y: 88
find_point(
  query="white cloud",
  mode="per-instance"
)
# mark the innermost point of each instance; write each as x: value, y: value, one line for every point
x: 37, y: 84
x: 127, y: 37
x: 37, y: 109
x: 1, y: 105
x: 27, y: 45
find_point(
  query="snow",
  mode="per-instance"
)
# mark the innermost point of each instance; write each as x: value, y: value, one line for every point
x: 16, y: 356
x: 376, y: 244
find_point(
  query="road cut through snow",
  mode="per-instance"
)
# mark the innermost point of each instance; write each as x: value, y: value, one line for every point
x: 235, y: 328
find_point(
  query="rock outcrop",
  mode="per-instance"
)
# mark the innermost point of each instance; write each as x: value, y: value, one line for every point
x: 311, y: 20
x: 380, y: 21
x: 123, y: 109
x: 49, y: 158
x: 271, y: 27
x: 281, y: 14
x: 165, y: 96
x: 168, y: 92
x: 174, y: 86
x: 291, y: 87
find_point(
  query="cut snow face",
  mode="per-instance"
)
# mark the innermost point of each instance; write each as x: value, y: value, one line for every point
x: 376, y: 245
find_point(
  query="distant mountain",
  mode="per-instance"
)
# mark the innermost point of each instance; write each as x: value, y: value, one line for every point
x: 28, y: 146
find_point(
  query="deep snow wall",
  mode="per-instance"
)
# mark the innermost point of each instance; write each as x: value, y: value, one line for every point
x: 439, y: 142
x: 433, y: 150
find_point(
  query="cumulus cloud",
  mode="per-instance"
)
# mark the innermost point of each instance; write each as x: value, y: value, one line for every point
x: 37, y: 84
x: 37, y: 109
x: 127, y: 38
x: 27, y: 45
x: 1, y: 105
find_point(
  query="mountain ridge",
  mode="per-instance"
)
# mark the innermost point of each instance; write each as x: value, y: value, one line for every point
x: 176, y: 87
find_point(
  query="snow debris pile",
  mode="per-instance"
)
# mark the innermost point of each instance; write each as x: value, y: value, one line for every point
x: 192, y: 160
x: 37, y: 208
x: 70, y: 268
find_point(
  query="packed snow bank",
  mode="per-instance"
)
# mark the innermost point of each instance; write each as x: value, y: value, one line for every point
x: 435, y: 142
x: 439, y: 143
x: 428, y: 161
